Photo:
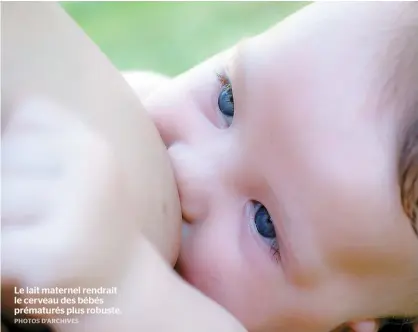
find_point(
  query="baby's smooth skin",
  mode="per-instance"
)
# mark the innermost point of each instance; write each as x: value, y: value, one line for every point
x: 321, y: 104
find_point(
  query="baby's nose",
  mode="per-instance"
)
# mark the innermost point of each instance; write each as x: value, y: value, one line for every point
x: 173, y: 113
x: 199, y: 151
x: 162, y: 117
x: 201, y: 177
x: 193, y: 173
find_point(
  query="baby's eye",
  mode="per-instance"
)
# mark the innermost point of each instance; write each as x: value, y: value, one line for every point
x: 226, y: 99
x: 263, y: 222
x: 265, y: 227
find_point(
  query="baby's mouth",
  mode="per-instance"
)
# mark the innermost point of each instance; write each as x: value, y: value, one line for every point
x: 185, y: 232
x: 177, y: 268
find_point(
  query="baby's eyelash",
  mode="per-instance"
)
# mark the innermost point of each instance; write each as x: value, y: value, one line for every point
x: 274, y: 245
x: 224, y: 80
x: 274, y: 250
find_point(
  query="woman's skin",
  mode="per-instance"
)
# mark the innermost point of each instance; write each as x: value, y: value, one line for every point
x: 320, y: 104
x: 88, y: 194
x: 84, y: 86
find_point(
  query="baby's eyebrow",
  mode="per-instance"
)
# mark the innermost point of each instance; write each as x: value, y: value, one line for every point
x: 235, y: 64
x: 239, y: 47
x: 237, y: 56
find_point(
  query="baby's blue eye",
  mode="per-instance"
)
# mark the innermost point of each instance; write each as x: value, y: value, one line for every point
x: 226, y: 101
x: 263, y: 223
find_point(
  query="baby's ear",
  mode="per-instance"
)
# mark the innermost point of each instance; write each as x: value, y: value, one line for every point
x: 364, y: 326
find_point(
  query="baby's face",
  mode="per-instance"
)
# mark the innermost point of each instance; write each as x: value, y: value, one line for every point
x: 291, y: 205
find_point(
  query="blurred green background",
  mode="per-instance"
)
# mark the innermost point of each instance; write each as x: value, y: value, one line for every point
x: 170, y: 37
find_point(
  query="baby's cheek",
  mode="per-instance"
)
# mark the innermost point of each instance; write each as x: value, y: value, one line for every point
x: 205, y: 260
x: 211, y: 260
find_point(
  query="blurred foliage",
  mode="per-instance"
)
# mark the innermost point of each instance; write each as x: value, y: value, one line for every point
x: 170, y: 37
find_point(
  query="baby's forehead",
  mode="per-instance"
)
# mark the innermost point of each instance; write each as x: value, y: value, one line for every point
x: 323, y: 51
x: 330, y: 29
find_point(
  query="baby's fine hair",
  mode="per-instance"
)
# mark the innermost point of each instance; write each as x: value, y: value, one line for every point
x: 404, y: 82
x: 400, y: 90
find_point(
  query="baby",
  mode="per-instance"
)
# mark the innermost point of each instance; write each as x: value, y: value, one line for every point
x: 296, y: 157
